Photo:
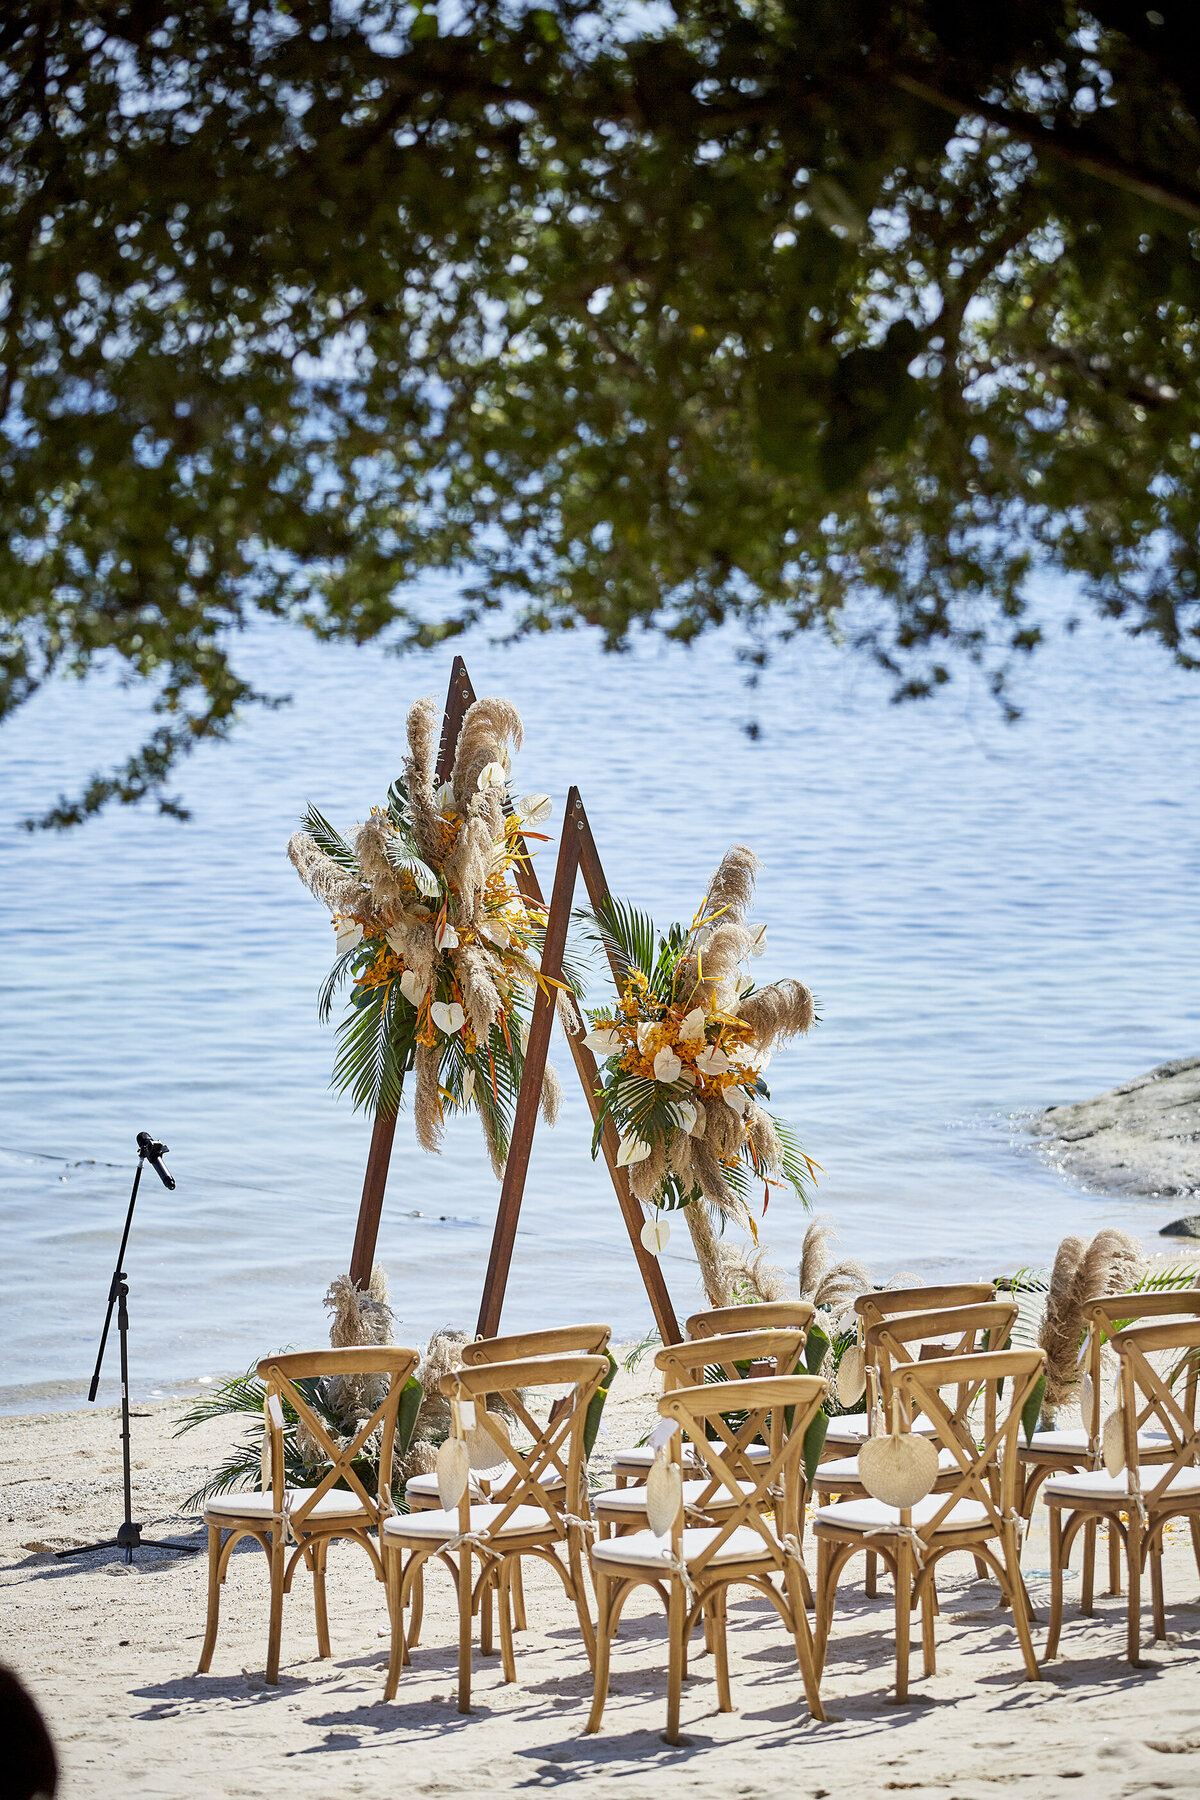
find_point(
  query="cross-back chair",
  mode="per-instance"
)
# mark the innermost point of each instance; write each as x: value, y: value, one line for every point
x: 632, y: 1464
x: 524, y: 1516
x: 737, y: 1356
x: 346, y: 1501
x: 692, y: 1567
x: 1139, y: 1501
x: 849, y: 1429
x: 977, y: 1514
x: 1074, y: 1449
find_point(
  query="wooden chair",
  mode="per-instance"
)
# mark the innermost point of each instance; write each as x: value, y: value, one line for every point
x: 340, y: 1505
x: 691, y: 1568
x: 975, y: 1515
x: 1074, y: 1449
x: 757, y: 1353
x: 632, y: 1465
x: 1137, y: 1503
x: 522, y: 1518
x: 849, y: 1429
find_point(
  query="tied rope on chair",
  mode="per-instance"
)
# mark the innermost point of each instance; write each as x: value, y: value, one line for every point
x: 908, y: 1532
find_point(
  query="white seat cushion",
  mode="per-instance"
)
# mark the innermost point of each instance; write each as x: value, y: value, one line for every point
x: 638, y: 1460
x: 845, y: 1468
x: 425, y: 1487
x: 862, y: 1515
x: 633, y: 1500
x: 1075, y: 1441
x: 336, y: 1504
x: 852, y: 1428
x: 1098, y: 1484
x: 444, y: 1525
x: 650, y: 1552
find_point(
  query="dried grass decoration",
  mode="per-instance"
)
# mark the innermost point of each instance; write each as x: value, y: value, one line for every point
x: 898, y: 1469
x: 442, y: 948
x: 684, y: 1054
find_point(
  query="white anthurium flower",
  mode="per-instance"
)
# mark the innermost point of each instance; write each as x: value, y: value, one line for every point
x: 349, y: 935
x: 535, y: 809
x: 412, y: 987
x: 655, y: 1235
x: 689, y: 1078
x: 712, y: 1061
x: 759, y: 936
x: 736, y: 1101
x: 397, y: 938
x: 696, y: 1129
x: 448, y: 1016
x: 468, y: 1087
x: 443, y: 797
x: 692, y: 1029
x: 643, y: 1033
x: 603, y: 1040
x: 666, y: 1067
x: 497, y: 932
x: 506, y: 759
x: 631, y: 1149
x: 492, y: 775
x: 447, y: 937
x: 684, y: 1112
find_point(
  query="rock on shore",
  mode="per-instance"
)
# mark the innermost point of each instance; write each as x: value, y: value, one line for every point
x: 1140, y: 1138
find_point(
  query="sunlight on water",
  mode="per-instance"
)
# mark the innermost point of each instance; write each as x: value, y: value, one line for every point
x: 992, y: 919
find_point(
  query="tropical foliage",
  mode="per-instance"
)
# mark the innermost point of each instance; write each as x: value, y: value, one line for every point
x: 685, y: 1052
x: 834, y: 317
x: 433, y: 932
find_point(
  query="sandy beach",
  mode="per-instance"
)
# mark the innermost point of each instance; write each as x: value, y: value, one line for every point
x: 110, y: 1654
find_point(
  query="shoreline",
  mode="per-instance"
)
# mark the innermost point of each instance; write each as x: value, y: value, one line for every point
x: 1140, y: 1139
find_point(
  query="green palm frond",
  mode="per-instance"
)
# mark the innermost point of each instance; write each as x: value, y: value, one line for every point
x: 793, y: 1161
x: 375, y: 1049
x: 627, y: 937
x: 1179, y: 1276
x: 327, y: 839
x: 402, y: 855
x: 333, y: 982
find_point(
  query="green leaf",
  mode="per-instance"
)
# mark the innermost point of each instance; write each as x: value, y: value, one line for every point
x: 814, y: 1443
x: 816, y: 1348
x: 1031, y: 1412
x: 591, y: 1423
x: 330, y: 841
x: 411, y: 1397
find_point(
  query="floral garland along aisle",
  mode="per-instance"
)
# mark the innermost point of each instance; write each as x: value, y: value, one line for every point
x: 685, y: 1053
x: 440, y: 945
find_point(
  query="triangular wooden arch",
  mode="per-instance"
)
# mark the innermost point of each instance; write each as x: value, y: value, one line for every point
x: 577, y: 852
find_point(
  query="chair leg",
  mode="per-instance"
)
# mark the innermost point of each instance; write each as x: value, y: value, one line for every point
x: 485, y: 1617
x: 1134, y: 1554
x: 1114, y: 1558
x: 1056, y: 1582
x: 510, y: 1567
x: 826, y: 1591
x: 464, y: 1628
x: 903, y: 1610
x: 1089, y: 1568
x: 1011, y: 1545
x: 806, y: 1652
x: 275, y: 1629
x: 579, y: 1595
x: 1156, y: 1589
x: 397, y: 1653
x: 676, y: 1657
x: 518, y: 1596
x: 871, y: 1579
x: 320, y: 1558
x: 928, y: 1644
x: 717, y: 1615
x: 214, y: 1599
x: 603, y: 1648
x: 416, y: 1607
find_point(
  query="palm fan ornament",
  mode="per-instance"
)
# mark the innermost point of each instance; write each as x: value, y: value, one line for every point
x: 685, y: 1052
x: 441, y: 947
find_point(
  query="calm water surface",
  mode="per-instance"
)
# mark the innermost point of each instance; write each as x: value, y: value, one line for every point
x: 992, y: 918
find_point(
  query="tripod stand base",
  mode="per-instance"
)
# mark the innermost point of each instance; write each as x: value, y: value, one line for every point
x: 129, y: 1538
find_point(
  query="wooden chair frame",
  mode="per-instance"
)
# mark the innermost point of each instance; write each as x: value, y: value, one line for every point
x: 918, y: 1386
x: 762, y: 1315
x: 1138, y: 1515
x: 556, y: 1445
x: 886, y: 1303
x: 781, y: 1409
x: 301, y: 1523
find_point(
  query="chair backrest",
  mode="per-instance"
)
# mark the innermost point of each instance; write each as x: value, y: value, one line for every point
x: 885, y: 1303
x: 681, y: 1364
x: 763, y: 1315
x: 781, y: 1408
x: 556, y: 1445
x: 1166, y: 1400
x: 994, y: 1377
x: 972, y: 1330
x: 282, y: 1375
x: 1107, y: 1316
x: 566, y: 1340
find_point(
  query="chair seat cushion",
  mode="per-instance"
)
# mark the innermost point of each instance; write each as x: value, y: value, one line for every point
x: 633, y: 1500
x: 852, y: 1428
x: 425, y: 1487
x: 864, y: 1515
x: 440, y: 1525
x: 1098, y: 1484
x: 646, y: 1551
x: 338, y: 1503
x: 845, y: 1468
x: 637, y: 1460
x: 1073, y: 1440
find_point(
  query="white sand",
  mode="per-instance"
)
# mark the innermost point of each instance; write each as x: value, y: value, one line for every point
x: 110, y: 1653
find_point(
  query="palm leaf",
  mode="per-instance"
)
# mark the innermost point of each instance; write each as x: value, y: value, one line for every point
x: 627, y: 936
x: 793, y: 1161
x: 327, y: 839
x: 333, y: 982
x: 402, y: 855
x: 375, y: 1047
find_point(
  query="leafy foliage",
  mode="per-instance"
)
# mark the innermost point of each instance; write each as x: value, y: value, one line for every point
x: 712, y: 312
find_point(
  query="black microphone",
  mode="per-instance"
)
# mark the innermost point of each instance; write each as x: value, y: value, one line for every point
x: 152, y: 1152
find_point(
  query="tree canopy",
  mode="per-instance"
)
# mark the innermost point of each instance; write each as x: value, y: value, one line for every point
x: 787, y: 311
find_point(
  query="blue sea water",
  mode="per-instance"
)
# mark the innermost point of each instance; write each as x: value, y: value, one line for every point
x: 993, y: 918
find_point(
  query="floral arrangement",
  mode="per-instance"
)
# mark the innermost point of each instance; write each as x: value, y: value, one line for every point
x: 686, y: 1049
x: 441, y: 947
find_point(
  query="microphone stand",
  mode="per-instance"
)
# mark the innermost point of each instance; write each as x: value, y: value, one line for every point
x: 129, y: 1532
